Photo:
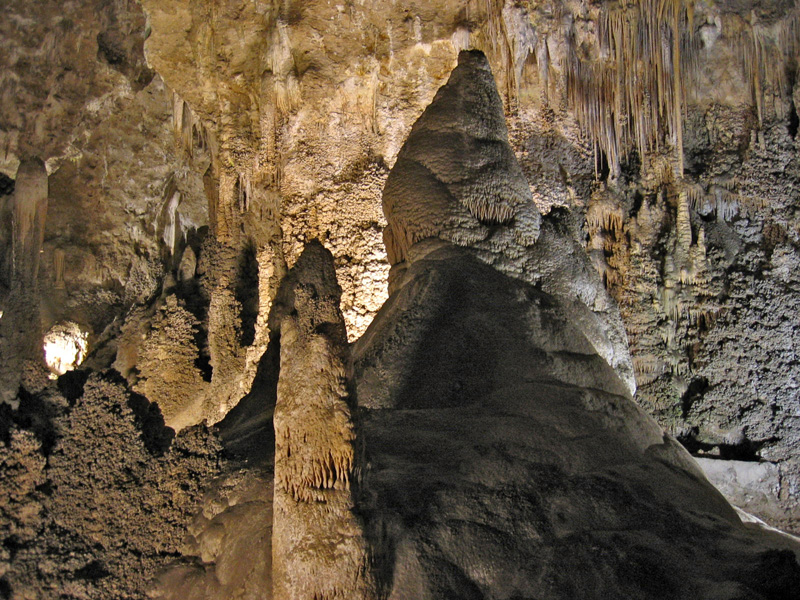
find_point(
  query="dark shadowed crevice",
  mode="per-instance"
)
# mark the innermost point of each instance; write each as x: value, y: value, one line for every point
x: 246, y: 293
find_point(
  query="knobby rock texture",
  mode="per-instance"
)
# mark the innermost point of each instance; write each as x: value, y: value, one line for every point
x: 624, y: 168
x: 96, y: 490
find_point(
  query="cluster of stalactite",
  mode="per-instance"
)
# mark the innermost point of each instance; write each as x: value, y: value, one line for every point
x: 635, y: 93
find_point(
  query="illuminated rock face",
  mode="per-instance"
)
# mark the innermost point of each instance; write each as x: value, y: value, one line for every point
x: 30, y: 214
x: 65, y: 347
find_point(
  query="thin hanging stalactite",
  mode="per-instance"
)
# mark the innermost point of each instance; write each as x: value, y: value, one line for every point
x: 634, y: 96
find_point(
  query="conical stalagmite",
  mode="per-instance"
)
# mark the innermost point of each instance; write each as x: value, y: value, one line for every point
x: 505, y: 457
x: 457, y: 179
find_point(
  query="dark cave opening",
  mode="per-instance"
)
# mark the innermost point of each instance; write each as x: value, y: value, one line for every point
x: 693, y: 393
x: 746, y: 450
x: 601, y: 166
x: 156, y: 436
x: 5, y: 589
x: 93, y: 571
x: 6, y: 185
x: 794, y: 120
x: 246, y: 293
x: 630, y: 166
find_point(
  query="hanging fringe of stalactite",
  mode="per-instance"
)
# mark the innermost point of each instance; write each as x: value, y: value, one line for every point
x: 634, y: 96
x: 500, y: 43
x: 766, y: 50
x: 190, y: 135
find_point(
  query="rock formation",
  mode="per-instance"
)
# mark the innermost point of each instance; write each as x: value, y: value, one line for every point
x: 28, y: 220
x: 456, y: 178
x: 318, y: 546
x: 627, y: 187
x: 504, y: 452
x: 95, y: 490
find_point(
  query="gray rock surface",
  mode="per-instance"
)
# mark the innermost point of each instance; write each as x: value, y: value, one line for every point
x: 456, y: 178
x: 509, y: 461
x: 671, y: 164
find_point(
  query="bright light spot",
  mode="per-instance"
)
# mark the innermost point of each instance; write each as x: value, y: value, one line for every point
x: 65, y: 347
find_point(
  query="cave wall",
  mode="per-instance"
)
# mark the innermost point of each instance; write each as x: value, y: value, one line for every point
x: 193, y: 148
x: 666, y: 129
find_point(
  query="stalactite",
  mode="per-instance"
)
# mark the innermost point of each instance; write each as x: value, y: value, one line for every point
x: 189, y: 132
x: 286, y: 87
x: 244, y: 192
x: 635, y: 94
x: 648, y: 368
x: 765, y: 54
x: 59, y: 259
x: 28, y: 219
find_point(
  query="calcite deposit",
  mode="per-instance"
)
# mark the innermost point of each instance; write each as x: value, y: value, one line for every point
x: 426, y: 270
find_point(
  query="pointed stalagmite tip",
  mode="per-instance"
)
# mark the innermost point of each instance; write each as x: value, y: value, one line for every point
x: 456, y: 177
x: 474, y: 59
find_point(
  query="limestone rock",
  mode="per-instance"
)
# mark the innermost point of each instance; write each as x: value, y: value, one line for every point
x: 318, y: 547
x: 167, y: 366
x: 457, y: 179
x: 507, y: 459
x: 456, y: 176
x: 107, y: 491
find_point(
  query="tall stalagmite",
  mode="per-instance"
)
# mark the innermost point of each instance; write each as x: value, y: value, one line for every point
x: 318, y: 548
x: 506, y: 458
x: 457, y: 179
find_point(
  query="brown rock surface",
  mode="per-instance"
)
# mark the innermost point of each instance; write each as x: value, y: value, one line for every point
x: 97, y: 490
x: 318, y: 545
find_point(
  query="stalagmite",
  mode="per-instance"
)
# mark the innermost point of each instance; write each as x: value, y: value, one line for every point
x: 188, y: 265
x: 502, y: 449
x: 318, y: 548
x: 457, y: 179
x: 457, y: 158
